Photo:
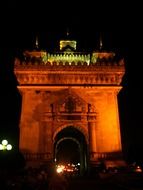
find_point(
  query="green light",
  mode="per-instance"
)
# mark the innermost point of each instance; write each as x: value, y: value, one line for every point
x: 4, y: 142
x: 9, y: 147
x: 5, y: 145
x: 1, y: 147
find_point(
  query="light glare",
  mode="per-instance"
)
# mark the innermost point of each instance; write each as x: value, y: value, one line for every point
x: 1, y: 147
x: 4, y: 142
x: 9, y: 147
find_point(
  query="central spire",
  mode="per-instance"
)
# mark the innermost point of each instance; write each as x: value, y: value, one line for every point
x: 67, y: 44
x: 37, y: 43
x: 100, y: 42
x: 68, y: 32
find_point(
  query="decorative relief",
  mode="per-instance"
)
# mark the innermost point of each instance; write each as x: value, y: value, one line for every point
x: 71, y: 103
x: 64, y: 105
x: 63, y: 78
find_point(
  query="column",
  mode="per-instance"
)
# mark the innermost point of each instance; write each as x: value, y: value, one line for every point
x: 92, y: 140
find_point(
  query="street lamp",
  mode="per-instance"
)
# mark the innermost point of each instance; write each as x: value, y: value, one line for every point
x: 5, y: 146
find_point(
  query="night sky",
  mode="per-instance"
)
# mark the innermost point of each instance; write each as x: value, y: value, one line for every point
x: 120, y: 27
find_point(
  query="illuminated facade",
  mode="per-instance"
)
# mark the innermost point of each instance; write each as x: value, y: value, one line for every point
x: 70, y: 95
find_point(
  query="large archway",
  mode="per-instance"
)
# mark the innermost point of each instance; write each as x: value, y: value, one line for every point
x: 70, y: 147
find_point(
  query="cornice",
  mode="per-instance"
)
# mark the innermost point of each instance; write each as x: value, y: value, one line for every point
x: 79, y: 73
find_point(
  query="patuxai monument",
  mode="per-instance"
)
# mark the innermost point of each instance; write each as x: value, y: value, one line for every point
x: 70, y: 96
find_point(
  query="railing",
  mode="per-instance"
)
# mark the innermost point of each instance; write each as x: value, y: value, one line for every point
x: 39, y: 62
x: 37, y: 156
x: 104, y: 155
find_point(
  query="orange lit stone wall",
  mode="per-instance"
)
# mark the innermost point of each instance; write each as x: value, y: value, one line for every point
x: 107, y: 129
x: 37, y: 129
x: 106, y: 125
x: 93, y: 87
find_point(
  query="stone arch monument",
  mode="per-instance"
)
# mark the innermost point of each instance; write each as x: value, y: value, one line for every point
x: 69, y: 88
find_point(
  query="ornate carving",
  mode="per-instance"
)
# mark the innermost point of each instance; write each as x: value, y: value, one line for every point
x: 88, y: 78
x: 76, y: 68
x: 65, y: 105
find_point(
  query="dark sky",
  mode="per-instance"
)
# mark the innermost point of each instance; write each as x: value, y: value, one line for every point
x: 120, y: 26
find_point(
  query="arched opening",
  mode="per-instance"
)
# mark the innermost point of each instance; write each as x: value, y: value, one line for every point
x: 70, y: 148
x: 67, y: 151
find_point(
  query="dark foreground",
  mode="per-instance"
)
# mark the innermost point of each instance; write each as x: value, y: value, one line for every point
x: 39, y: 180
x: 111, y: 182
